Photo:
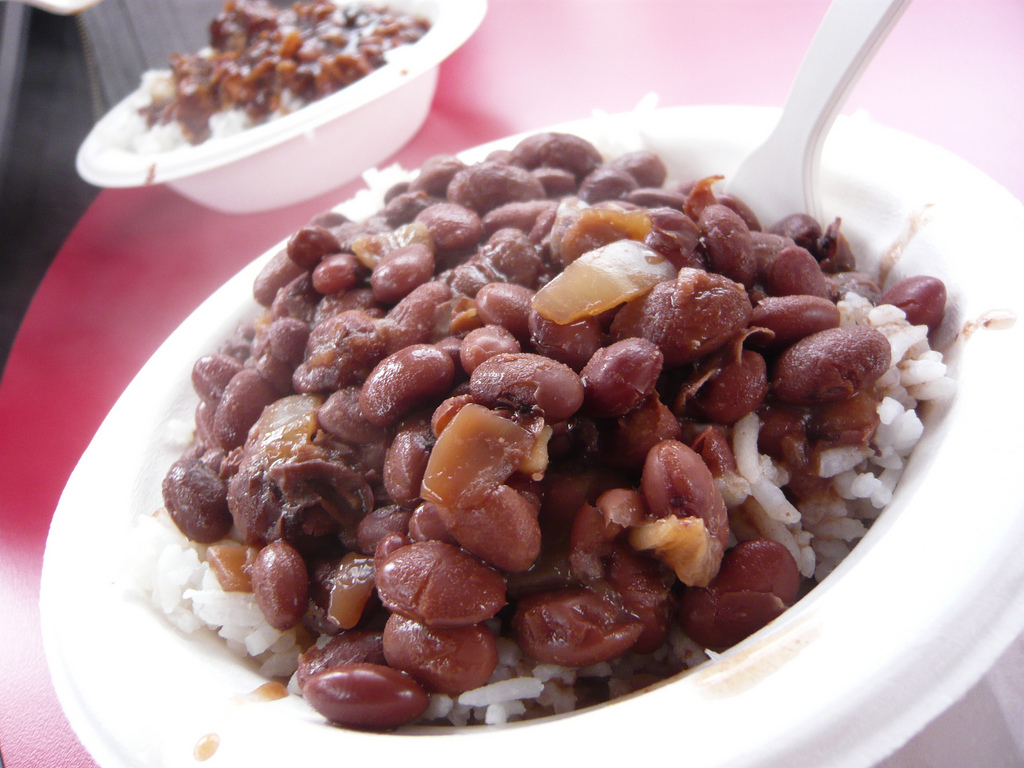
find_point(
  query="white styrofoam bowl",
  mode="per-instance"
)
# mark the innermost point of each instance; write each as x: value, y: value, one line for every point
x: 897, y: 633
x: 303, y: 154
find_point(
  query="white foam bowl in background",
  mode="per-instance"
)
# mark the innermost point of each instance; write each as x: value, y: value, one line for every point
x: 900, y: 631
x: 301, y: 155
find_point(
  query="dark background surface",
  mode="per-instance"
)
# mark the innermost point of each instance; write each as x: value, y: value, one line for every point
x: 41, y: 195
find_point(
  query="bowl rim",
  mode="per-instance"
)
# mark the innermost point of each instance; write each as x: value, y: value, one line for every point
x: 100, y: 163
x: 855, y: 723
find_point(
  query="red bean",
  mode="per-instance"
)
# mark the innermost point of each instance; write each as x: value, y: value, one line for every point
x: 643, y: 165
x: 353, y: 646
x: 280, y: 584
x: 802, y: 229
x: 436, y: 174
x: 502, y: 531
x: 197, y: 500
x: 406, y: 460
x: 791, y: 318
x: 452, y: 227
x: 485, y: 186
x: 401, y: 271
x: 443, y: 660
x: 736, y: 389
x: 831, y: 365
x: 405, y: 380
x: 341, y: 415
x: 483, y: 343
x: 758, y: 580
x: 676, y: 482
x: 795, y: 271
x: 619, y: 377
x: 507, y: 305
x: 341, y: 350
x: 245, y: 397
x: 211, y: 374
x: 310, y: 245
x: 439, y: 585
x: 366, y: 696
x: 606, y: 182
x: 922, y: 298
x: 686, y: 318
x: 573, y: 343
x: 573, y: 627
x: 728, y: 244
x: 278, y: 272
x: 528, y: 381
x: 558, y: 150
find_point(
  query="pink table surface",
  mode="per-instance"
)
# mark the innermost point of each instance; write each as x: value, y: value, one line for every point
x: 140, y: 260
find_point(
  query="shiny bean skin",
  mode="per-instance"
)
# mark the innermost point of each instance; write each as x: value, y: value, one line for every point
x: 758, y: 580
x: 311, y: 244
x: 655, y: 197
x: 572, y: 344
x: 507, y: 305
x: 714, y: 449
x: 646, y: 167
x: 442, y: 660
x: 341, y: 350
x: 791, y: 318
x: 606, y: 183
x: 404, y: 207
x: 728, y: 244
x: 405, y: 380
x: 353, y: 646
x: 483, y: 343
x: 485, y: 186
x: 573, y: 627
x: 686, y: 318
x: 922, y: 298
x: 436, y: 174
x: 279, y: 349
x: 510, y: 254
x: 558, y: 150
x: 366, y: 696
x: 528, y: 381
x: 802, y: 229
x: 406, y: 460
x: 380, y: 523
x: 341, y: 415
x: 736, y: 389
x: 415, y: 318
x: 278, y: 272
x: 426, y: 524
x: 557, y: 182
x: 521, y: 215
x: 628, y: 442
x: 619, y: 377
x: 401, y: 271
x: 211, y: 374
x: 794, y: 271
x: 502, y: 531
x: 197, y: 500
x: 245, y: 397
x: 280, y: 584
x: 677, y: 482
x: 452, y: 227
x: 645, y: 591
x: 830, y: 365
x: 439, y: 585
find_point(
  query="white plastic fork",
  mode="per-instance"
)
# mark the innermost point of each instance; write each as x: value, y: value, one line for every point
x: 781, y: 176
